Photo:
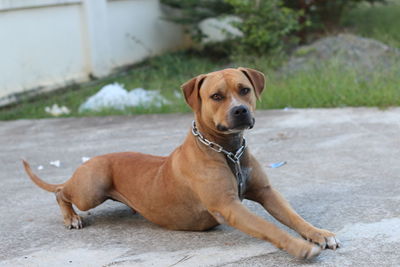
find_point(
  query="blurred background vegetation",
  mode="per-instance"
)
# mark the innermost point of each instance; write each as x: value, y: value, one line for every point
x: 273, y: 32
x: 267, y: 26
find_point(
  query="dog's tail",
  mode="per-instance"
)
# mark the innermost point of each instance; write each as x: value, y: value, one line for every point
x: 38, y: 181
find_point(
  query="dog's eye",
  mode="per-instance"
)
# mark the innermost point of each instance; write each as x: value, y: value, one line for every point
x: 217, y: 97
x: 244, y: 91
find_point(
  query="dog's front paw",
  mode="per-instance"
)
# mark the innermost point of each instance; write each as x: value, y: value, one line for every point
x: 302, y: 249
x: 73, y: 222
x: 323, y: 238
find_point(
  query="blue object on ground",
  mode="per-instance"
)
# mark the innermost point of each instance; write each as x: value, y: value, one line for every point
x: 277, y: 164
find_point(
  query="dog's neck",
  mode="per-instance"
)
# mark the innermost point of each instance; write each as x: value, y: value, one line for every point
x: 230, y: 141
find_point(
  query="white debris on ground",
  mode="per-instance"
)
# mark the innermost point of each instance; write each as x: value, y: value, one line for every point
x: 55, y: 110
x: 55, y: 163
x: 84, y: 159
x: 40, y: 167
x: 140, y: 96
x: 115, y: 96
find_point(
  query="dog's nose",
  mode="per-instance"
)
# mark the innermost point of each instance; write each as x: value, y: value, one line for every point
x: 239, y: 110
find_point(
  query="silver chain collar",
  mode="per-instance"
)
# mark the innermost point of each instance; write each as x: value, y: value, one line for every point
x: 234, y: 157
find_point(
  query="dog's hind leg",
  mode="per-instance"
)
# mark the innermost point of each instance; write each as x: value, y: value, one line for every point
x: 71, y: 219
x: 87, y: 188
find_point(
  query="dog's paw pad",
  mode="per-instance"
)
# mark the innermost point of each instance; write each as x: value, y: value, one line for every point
x: 75, y: 222
x: 303, y: 250
x: 313, y: 252
x: 332, y: 242
x: 323, y: 238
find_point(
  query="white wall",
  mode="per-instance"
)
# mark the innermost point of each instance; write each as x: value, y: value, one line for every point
x: 136, y: 26
x: 45, y: 44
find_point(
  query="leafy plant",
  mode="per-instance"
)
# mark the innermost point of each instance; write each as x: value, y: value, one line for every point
x: 267, y: 26
x: 325, y: 14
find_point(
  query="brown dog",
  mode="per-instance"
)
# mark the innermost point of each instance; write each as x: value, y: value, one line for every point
x: 202, y: 182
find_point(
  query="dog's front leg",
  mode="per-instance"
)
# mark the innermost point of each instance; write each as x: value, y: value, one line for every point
x: 262, y: 192
x: 235, y: 214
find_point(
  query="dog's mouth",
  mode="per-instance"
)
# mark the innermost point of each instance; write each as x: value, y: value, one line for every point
x: 236, y: 126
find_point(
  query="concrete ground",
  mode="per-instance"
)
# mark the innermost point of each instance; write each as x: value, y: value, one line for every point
x: 342, y: 174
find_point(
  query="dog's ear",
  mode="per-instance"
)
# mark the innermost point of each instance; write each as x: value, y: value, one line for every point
x: 256, y: 78
x: 191, y: 91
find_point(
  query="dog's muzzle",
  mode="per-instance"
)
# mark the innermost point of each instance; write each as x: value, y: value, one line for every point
x: 240, y: 118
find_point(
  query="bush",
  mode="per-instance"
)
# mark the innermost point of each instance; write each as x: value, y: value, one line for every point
x: 267, y: 26
x: 323, y: 12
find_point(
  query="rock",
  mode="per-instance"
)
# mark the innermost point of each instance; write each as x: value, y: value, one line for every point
x: 346, y: 50
x: 219, y: 29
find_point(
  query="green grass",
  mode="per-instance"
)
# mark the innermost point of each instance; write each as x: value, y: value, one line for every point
x: 380, y: 22
x: 332, y: 86
x: 327, y: 86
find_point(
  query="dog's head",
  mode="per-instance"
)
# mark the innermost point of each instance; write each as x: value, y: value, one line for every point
x: 225, y: 100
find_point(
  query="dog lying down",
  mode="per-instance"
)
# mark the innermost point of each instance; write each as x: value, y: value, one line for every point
x: 202, y: 182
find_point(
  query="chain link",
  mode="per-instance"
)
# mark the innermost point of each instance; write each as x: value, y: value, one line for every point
x: 234, y: 157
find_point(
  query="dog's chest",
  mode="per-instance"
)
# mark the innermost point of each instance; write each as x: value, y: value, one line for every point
x: 246, y: 171
x: 242, y: 175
